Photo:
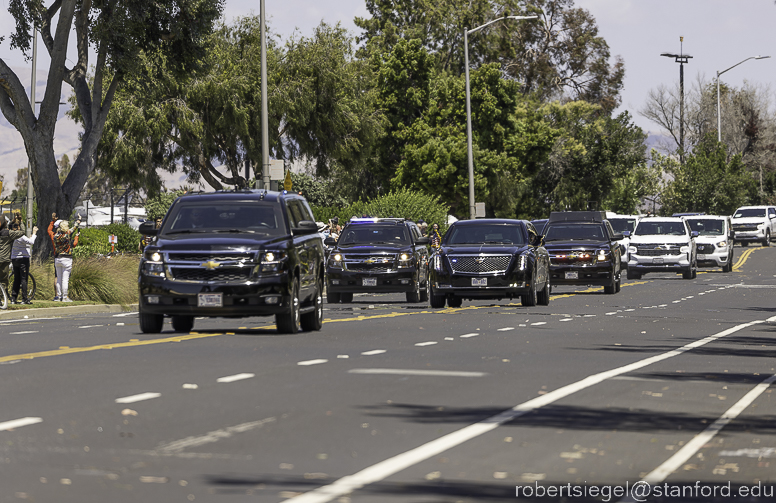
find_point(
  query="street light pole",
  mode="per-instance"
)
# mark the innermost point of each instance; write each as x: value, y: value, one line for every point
x: 681, y: 59
x: 264, y: 107
x: 466, y: 33
x: 719, y: 114
x: 30, y: 191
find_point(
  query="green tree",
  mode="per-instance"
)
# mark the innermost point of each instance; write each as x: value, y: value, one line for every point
x: 119, y: 33
x: 317, y: 192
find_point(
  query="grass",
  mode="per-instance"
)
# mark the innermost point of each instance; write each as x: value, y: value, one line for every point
x: 99, y: 280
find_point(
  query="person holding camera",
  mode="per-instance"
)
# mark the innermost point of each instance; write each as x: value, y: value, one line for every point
x: 7, y: 237
x: 60, y: 233
x: 20, y: 261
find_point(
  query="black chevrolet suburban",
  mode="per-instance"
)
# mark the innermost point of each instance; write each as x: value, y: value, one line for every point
x: 233, y: 254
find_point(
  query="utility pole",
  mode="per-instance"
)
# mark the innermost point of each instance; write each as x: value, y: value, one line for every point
x: 30, y: 191
x: 264, y: 107
x: 682, y: 59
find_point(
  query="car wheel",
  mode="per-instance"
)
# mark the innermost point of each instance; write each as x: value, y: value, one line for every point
x: 288, y: 323
x: 611, y: 289
x: 543, y: 297
x: 436, y: 301
x: 182, y: 323
x: 314, y: 320
x: 529, y: 299
x: 633, y: 274
x: 413, y: 297
x: 333, y: 298
x: 767, y: 240
x: 346, y: 298
x: 729, y: 266
x: 687, y: 273
x: 424, y: 292
x: 151, y: 323
x: 454, y: 302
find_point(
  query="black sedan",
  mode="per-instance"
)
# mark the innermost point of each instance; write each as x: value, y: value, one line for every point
x: 490, y: 259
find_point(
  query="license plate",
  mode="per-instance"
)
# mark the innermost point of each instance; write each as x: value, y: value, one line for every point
x: 572, y: 275
x: 657, y: 260
x: 210, y: 300
x: 479, y: 281
x: 369, y: 281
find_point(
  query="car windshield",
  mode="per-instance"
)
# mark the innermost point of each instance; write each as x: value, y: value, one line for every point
x: 708, y: 226
x: 485, y: 234
x: 225, y: 216
x: 649, y: 228
x: 574, y: 232
x: 750, y: 212
x: 621, y: 225
x: 357, y: 234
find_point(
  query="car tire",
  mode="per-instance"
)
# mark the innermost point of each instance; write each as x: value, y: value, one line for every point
x: 313, y: 321
x: 454, y: 302
x: 333, y: 297
x: 288, y: 323
x: 687, y: 273
x: 346, y: 298
x: 767, y: 240
x: 611, y: 289
x: 182, y: 323
x: 633, y: 274
x: 543, y: 297
x: 424, y: 292
x: 413, y: 297
x: 729, y: 266
x: 150, y: 323
x: 436, y: 301
x: 530, y: 298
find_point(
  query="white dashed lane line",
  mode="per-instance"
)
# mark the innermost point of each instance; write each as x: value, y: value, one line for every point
x: 505, y: 329
x: 138, y: 398
x: 18, y: 423
x: 312, y: 362
x: 236, y: 377
x: 429, y: 343
x: 373, y: 352
x: 566, y: 319
x: 466, y: 336
x: 91, y: 326
x: 412, y: 372
x: 25, y: 332
x: 124, y: 314
x: 538, y: 323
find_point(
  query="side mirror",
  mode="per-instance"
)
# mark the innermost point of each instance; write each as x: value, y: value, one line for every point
x: 422, y: 241
x: 626, y: 234
x: 305, y: 227
x: 330, y: 242
x: 148, y: 228
x: 618, y: 237
x: 694, y: 234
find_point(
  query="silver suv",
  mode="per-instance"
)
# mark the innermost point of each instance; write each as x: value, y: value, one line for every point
x: 662, y: 244
x: 714, y: 242
x: 754, y: 224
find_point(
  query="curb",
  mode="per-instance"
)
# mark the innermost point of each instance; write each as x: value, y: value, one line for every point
x: 48, y: 312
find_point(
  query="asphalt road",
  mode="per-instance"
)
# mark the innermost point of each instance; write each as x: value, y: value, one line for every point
x: 667, y: 383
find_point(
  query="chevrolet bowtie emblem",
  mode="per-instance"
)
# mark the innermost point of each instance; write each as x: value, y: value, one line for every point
x: 479, y: 260
x: 210, y: 265
x: 370, y: 261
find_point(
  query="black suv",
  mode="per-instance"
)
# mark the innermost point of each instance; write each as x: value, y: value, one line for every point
x: 233, y: 254
x: 490, y: 259
x: 378, y: 255
x: 583, y: 250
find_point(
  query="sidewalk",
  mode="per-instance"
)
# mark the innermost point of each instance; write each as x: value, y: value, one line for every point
x: 50, y: 312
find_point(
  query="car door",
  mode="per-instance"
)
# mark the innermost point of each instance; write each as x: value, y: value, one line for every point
x: 772, y: 219
x: 302, y: 245
x: 541, y: 256
x: 420, y: 252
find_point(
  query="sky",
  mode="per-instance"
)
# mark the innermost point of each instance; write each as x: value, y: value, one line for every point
x: 717, y: 34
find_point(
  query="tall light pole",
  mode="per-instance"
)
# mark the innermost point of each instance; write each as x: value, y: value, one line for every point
x: 682, y: 59
x: 466, y: 33
x: 264, y: 107
x: 33, y: 80
x: 719, y: 114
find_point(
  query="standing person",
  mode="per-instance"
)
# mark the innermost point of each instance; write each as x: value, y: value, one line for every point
x: 423, y: 226
x: 435, y: 237
x: 63, y: 258
x: 20, y: 260
x: 7, y: 237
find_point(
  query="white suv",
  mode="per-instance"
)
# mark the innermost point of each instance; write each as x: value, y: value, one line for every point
x: 620, y: 224
x: 714, y: 243
x: 662, y: 244
x: 754, y: 223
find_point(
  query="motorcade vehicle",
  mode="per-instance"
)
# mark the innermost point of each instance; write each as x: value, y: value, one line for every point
x: 378, y: 255
x: 233, y: 254
x: 662, y: 244
x: 714, y: 243
x: 584, y: 250
x: 490, y: 259
x: 620, y: 224
x: 753, y: 224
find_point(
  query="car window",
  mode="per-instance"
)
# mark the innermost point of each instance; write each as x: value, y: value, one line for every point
x: 771, y: 211
x: 621, y: 225
x: 295, y: 212
x: 225, y: 216
x: 650, y: 227
x: 750, y: 213
x: 574, y: 232
x: 485, y: 234
x: 708, y: 226
x: 374, y: 234
x: 307, y: 213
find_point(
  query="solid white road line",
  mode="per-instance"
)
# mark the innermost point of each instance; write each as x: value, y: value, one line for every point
x: 373, y: 352
x: 312, y: 362
x: 18, y: 423
x: 25, y: 332
x: 236, y: 377
x: 138, y: 398
x: 411, y: 372
x: 390, y: 466
x: 465, y: 336
x: 429, y: 343
x: 675, y: 462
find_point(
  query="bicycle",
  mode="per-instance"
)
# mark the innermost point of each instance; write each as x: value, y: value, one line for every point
x: 4, y: 300
x: 31, y: 285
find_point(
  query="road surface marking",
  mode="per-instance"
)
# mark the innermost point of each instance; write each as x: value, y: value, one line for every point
x: 27, y: 320
x: 25, y: 332
x: 18, y: 423
x: 675, y: 462
x: 505, y: 329
x: 538, y: 323
x: 210, y: 437
x: 465, y: 336
x: 411, y: 372
x: 125, y: 314
x: 429, y: 343
x: 236, y: 377
x: 312, y: 362
x: 391, y: 466
x: 138, y: 398
x: 567, y: 319
x: 90, y: 326
x: 373, y: 352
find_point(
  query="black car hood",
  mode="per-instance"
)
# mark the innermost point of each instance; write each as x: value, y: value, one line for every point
x: 377, y: 249
x: 220, y: 241
x: 487, y: 249
x: 576, y: 245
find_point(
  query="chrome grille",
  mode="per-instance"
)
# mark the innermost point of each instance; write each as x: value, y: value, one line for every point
x: 218, y: 256
x: 744, y: 227
x: 225, y: 275
x: 480, y: 264
x: 705, y: 248
x: 368, y: 268
x: 651, y: 251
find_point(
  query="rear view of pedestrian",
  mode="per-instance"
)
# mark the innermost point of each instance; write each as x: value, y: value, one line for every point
x: 61, y: 234
x: 7, y: 237
x: 20, y: 260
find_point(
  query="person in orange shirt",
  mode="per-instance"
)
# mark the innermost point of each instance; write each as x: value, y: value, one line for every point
x: 61, y: 235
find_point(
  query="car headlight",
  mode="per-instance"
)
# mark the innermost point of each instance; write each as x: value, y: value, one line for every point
x: 272, y: 261
x: 722, y: 244
x: 335, y: 260
x: 685, y: 248
x: 632, y: 249
x: 602, y: 256
x: 153, y: 256
x: 522, y: 263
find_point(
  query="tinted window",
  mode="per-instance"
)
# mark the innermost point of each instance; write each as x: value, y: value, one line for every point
x: 708, y: 226
x: 771, y: 211
x: 749, y: 213
x: 487, y: 233
x: 621, y: 225
x: 296, y: 214
x: 225, y: 216
x: 374, y: 234
x: 574, y: 232
x: 650, y: 227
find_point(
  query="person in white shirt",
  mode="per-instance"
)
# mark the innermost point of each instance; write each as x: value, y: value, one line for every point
x: 20, y: 260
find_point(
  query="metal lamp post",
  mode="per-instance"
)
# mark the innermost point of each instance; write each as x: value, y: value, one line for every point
x: 466, y: 33
x: 681, y: 59
x: 264, y: 107
x: 719, y: 114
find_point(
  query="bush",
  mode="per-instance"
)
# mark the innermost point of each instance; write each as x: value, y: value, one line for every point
x: 128, y: 238
x: 92, y: 241
x: 106, y: 280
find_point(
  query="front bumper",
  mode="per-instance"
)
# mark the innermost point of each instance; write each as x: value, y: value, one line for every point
x: 342, y: 281
x: 469, y: 286
x: 599, y: 274
x: 249, y: 298
x: 718, y: 258
x: 749, y: 236
x: 670, y: 263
